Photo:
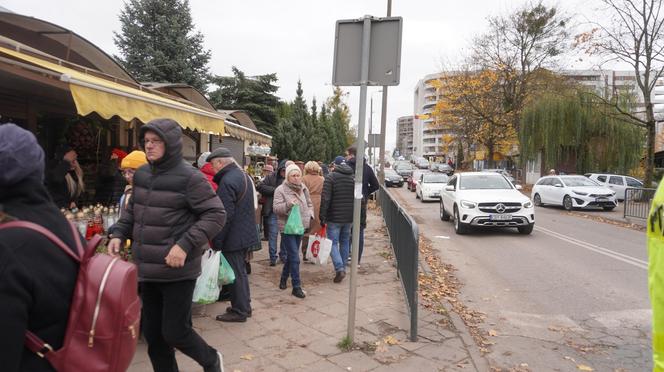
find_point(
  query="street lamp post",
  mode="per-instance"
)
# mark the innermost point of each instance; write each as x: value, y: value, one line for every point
x: 371, y: 145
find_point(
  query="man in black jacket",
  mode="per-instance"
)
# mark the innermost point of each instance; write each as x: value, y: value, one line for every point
x: 266, y: 189
x: 369, y: 186
x: 171, y: 216
x: 336, y: 211
x: 237, y: 194
x: 36, y: 277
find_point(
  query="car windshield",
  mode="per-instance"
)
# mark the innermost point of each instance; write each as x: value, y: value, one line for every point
x: 435, y: 178
x: 483, y: 182
x: 578, y: 181
x: 390, y: 172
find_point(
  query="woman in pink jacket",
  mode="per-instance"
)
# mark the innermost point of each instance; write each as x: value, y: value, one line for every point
x: 292, y: 192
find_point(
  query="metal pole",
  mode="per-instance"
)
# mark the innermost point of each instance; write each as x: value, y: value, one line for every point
x: 383, y: 119
x: 359, y: 170
x: 370, y: 127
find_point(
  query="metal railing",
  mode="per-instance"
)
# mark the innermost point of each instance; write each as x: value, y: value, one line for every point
x: 404, y: 237
x: 637, y: 202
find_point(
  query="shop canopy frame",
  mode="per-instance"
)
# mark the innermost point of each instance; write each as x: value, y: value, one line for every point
x: 111, y: 98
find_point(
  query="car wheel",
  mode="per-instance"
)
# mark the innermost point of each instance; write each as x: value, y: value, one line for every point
x: 537, y: 200
x: 567, y: 203
x: 459, y: 227
x: 526, y: 230
x: 443, y: 214
x: 608, y: 209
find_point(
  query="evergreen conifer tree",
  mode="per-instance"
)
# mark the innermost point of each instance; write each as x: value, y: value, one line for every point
x: 158, y: 43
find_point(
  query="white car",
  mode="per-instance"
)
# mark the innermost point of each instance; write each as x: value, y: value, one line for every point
x: 485, y: 199
x: 430, y: 185
x: 615, y: 182
x: 573, y: 192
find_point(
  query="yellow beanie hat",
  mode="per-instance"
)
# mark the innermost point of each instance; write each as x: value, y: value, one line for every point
x: 134, y: 160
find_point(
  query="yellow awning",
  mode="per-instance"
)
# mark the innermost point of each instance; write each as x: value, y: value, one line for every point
x: 108, y: 99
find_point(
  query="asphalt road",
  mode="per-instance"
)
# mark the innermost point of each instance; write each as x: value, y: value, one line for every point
x: 573, y: 293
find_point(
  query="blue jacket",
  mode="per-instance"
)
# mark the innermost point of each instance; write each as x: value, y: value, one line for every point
x: 236, y: 193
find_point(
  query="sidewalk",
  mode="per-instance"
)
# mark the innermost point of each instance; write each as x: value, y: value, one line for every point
x: 289, y: 334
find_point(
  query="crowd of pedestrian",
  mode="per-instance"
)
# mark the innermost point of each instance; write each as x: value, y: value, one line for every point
x: 170, y: 213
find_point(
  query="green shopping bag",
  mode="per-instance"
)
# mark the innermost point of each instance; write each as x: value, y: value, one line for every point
x: 226, y: 273
x: 294, y: 224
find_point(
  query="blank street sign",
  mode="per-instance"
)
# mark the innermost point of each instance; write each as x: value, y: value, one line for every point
x: 385, y: 52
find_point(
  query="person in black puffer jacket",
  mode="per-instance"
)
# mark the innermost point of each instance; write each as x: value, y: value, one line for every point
x: 336, y: 211
x: 36, y: 277
x: 171, y: 216
x: 266, y: 189
x: 236, y: 191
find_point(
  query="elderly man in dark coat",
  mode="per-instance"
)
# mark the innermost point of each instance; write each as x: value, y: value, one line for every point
x: 236, y: 191
x: 172, y: 215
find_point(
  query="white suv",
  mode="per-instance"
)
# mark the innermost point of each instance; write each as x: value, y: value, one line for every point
x: 615, y: 182
x: 485, y: 199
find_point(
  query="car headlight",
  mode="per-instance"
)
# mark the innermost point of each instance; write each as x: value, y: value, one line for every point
x: 528, y: 204
x: 580, y: 193
x: 467, y: 204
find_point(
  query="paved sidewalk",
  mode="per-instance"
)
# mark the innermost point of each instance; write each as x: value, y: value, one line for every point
x: 289, y: 334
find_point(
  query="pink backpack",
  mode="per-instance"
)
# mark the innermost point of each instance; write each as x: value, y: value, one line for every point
x: 104, y: 314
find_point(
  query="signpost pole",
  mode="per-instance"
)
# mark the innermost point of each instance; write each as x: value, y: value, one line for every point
x: 359, y: 170
x: 383, y: 119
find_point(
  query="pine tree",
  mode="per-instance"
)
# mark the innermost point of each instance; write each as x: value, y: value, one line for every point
x: 158, y: 43
x: 253, y: 94
x: 283, y: 143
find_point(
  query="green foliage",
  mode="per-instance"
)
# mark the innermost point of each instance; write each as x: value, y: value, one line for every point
x: 304, y: 134
x: 346, y: 344
x: 254, y: 94
x: 576, y: 127
x: 158, y: 43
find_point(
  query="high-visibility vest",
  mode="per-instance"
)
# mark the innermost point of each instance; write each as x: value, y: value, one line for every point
x: 656, y: 276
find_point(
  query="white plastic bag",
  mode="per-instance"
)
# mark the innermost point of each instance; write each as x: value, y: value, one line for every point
x: 319, y: 247
x: 207, y: 288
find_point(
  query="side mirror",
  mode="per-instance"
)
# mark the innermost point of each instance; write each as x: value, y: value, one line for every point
x: 518, y: 187
x: 557, y: 185
x: 449, y: 188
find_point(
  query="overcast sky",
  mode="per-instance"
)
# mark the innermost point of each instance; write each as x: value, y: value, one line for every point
x: 295, y: 38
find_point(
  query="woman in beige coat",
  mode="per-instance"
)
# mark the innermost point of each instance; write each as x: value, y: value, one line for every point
x: 314, y: 182
x: 290, y: 193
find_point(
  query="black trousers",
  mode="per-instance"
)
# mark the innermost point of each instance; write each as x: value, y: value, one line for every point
x: 167, y: 325
x: 240, y: 296
x: 266, y: 226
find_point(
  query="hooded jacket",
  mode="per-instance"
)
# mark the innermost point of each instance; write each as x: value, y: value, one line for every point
x: 209, y: 175
x: 236, y: 192
x: 172, y: 203
x: 337, y: 198
x: 269, y: 185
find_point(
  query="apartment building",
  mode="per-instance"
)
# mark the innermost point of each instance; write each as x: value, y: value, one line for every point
x: 405, y: 135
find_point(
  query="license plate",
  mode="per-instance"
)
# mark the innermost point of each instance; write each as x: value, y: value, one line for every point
x: 435, y: 194
x: 500, y: 217
x: 602, y: 199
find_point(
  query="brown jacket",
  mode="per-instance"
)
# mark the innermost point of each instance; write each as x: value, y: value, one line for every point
x: 315, y: 185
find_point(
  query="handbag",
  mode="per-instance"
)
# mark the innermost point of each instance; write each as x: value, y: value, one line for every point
x: 319, y: 247
x: 207, y: 287
x: 226, y: 273
x: 294, y: 224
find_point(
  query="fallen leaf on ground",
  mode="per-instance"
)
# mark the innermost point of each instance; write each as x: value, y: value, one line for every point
x: 247, y: 357
x: 583, y: 367
x: 390, y: 340
x: 570, y: 358
x: 493, y: 333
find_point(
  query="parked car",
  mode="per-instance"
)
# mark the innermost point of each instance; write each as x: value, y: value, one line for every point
x: 422, y: 163
x: 414, y: 178
x: 615, y: 182
x: 392, y: 178
x: 405, y: 170
x: 445, y: 168
x: 573, y: 192
x: 430, y: 186
x: 485, y: 199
